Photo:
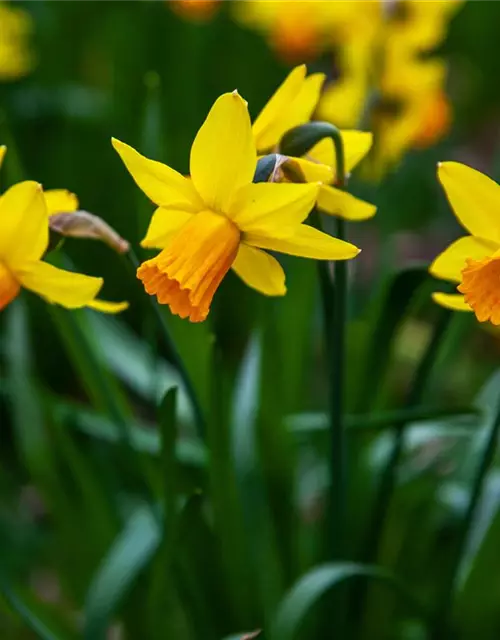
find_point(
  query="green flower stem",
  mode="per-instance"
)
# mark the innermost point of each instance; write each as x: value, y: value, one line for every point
x: 334, y: 301
x: 338, y: 472
x: 442, y: 629
x: 338, y: 457
x: 173, y: 352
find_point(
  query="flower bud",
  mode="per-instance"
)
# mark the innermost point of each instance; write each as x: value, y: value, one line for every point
x: 82, y: 224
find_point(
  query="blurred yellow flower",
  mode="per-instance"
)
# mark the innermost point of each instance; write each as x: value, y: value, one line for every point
x: 293, y: 104
x: 24, y: 235
x: 56, y: 200
x: 297, y: 29
x: 387, y: 79
x: 15, y: 28
x: 198, y: 10
x: 219, y: 219
x: 474, y: 260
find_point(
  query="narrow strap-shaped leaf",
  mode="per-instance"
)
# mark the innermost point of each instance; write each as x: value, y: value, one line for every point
x: 309, y: 589
x: 127, y: 558
x: 26, y: 613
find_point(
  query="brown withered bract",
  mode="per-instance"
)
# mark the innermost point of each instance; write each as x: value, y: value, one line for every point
x: 82, y: 224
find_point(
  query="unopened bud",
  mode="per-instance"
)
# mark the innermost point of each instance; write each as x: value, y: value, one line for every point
x: 82, y: 224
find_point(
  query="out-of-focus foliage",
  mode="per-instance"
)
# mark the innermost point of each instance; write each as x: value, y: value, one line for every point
x: 118, y: 515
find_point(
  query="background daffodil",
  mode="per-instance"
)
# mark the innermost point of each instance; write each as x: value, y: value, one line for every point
x: 293, y: 104
x: 24, y: 237
x: 56, y: 200
x: 15, y: 57
x: 297, y: 30
x: 473, y: 262
x: 388, y: 79
x: 219, y: 219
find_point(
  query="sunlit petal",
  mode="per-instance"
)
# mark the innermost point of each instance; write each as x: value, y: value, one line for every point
x: 105, y: 306
x: 273, y: 209
x: 340, y: 203
x: 267, y: 128
x: 24, y: 223
x: 451, y: 262
x: 260, y: 271
x: 163, y: 224
x: 71, y: 290
x: 223, y: 156
x: 454, y: 301
x: 475, y: 198
x: 60, y: 201
x: 163, y: 185
x: 307, y: 243
x: 356, y: 145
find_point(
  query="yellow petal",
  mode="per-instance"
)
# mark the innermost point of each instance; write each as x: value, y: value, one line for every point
x: 356, y: 146
x: 313, y: 171
x: 3, y: 151
x: 260, y: 271
x: 164, y: 186
x: 223, y: 156
x: 454, y: 301
x: 60, y: 201
x: 24, y: 223
x: 475, y: 198
x: 163, y: 224
x: 340, y: 203
x: 273, y: 208
x: 71, y: 290
x: 267, y: 128
x: 307, y: 243
x: 9, y: 286
x: 300, y: 110
x: 107, y: 307
x: 450, y: 263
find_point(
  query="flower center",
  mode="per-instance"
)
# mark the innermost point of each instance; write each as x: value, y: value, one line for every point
x: 186, y: 274
x: 481, y: 288
x: 9, y: 287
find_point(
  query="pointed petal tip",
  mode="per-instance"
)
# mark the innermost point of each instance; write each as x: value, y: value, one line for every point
x: 238, y: 96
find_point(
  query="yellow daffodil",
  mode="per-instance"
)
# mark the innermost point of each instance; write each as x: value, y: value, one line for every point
x: 473, y: 262
x: 15, y: 28
x: 219, y: 219
x: 293, y: 104
x: 388, y: 81
x: 24, y: 237
x: 56, y: 200
x: 24, y: 234
x: 198, y: 10
x: 297, y: 29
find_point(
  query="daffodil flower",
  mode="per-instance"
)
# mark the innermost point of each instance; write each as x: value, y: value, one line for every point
x: 292, y: 105
x: 24, y: 237
x: 196, y: 10
x: 56, y: 200
x: 388, y: 81
x: 297, y: 30
x: 473, y: 262
x: 219, y: 219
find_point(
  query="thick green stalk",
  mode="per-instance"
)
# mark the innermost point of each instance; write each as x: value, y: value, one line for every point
x: 173, y: 353
x: 336, y: 356
x: 443, y: 628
